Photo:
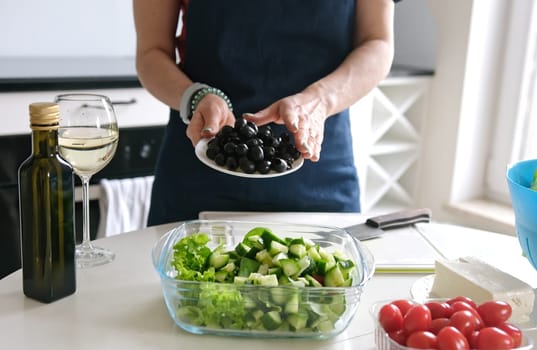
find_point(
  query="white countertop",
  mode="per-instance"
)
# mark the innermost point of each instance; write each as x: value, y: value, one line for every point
x: 120, y: 305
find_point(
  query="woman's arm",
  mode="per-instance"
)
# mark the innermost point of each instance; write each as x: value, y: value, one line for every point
x: 367, y: 64
x: 156, y: 26
x: 305, y: 113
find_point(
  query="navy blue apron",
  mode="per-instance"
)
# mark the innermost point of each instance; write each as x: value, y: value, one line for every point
x: 258, y: 51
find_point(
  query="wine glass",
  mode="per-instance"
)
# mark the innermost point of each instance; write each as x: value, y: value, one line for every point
x: 88, y: 138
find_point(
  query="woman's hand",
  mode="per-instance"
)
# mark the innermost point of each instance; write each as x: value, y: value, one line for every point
x: 303, y: 115
x: 211, y: 114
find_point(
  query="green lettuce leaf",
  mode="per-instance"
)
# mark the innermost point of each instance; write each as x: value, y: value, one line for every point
x: 190, y: 258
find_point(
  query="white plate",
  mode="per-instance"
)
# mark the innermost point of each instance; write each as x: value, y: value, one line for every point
x: 201, y: 153
x: 421, y: 291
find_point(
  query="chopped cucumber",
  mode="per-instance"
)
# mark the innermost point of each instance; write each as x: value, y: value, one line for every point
x: 285, y: 269
x: 277, y: 247
x: 290, y: 267
x: 298, y: 321
x: 334, y: 277
x: 247, y: 266
x: 271, y: 320
x: 217, y: 260
x: 298, y: 250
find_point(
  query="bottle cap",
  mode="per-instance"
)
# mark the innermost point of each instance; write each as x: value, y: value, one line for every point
x: 44, y: 115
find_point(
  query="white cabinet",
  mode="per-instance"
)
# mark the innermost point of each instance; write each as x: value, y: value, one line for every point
x: 387, y: 127
x: 134, y: 107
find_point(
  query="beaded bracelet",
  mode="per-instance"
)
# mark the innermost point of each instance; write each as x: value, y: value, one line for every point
x: 201, y: 93
x: 184, y: 104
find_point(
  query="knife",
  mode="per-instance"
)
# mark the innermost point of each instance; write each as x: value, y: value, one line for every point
x: 375, y: 226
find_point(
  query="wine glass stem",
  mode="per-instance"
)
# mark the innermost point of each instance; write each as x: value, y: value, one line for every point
x: 86, y: 239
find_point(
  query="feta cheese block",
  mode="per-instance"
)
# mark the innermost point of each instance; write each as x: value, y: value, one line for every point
x: 482, y: 282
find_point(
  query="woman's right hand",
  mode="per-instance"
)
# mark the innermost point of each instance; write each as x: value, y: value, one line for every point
x: 210, y: 115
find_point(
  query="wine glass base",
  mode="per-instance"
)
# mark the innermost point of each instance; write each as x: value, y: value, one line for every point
x: 94, y: 256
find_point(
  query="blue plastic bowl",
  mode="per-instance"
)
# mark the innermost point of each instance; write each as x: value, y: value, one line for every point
x: 524, y: 201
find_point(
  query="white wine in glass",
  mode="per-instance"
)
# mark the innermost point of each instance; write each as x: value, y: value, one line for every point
x: 88, y: 138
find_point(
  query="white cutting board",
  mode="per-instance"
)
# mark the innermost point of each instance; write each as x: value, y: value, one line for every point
x: 398, y: 251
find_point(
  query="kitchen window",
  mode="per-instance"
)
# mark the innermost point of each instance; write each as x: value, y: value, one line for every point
x: 515, y: 133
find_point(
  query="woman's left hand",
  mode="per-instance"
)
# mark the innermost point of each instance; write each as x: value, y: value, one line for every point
x: 303, y: 116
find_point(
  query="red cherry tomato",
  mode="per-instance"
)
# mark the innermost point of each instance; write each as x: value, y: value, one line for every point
x: 465, y: 321
x: 494, y: 312
x: 390, y: 318
x: 422, y: 340
x: 472, y: 339
x: 399, y: 336
x: 514, y: 332
x: 450, y: 338
x: 464, y: 299
x: 404, y: 305
x: 493, y: 338
x: 440, y: 309
x: 418, y: 318
x: 463, y: 305
x: 437, y: 324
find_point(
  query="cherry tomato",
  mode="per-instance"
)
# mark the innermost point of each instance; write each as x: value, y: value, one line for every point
x: 472, y: 339
x: 399, y: 336
x: 494, y: 312
x: 465, y: 321
x: 494, y: 338
x: 418, y: 318
x: 450, y: 338
x: 464, y: 299
x: 463, y: 305
x: 403, y: 304
x: 422, y: 340
x: 390, y: 318
x: 437, y: 324
x: 514, y: 332
x: 439, y: 309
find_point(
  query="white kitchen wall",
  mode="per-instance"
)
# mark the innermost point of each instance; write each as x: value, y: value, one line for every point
x: 36, y: 28
x: 67, y: 28
x: 415, y: 34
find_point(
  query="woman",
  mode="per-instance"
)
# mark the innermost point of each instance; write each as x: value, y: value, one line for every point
x: 298, y: 64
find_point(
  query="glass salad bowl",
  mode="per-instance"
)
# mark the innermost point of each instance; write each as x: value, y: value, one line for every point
x: 261, y: 279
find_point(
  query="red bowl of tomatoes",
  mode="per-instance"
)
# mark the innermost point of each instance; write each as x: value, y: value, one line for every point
x: 454, y: 324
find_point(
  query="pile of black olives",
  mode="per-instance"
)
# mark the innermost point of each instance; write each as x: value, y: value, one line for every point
x: 252, y: 149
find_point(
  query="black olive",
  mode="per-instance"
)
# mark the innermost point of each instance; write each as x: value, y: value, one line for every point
x: 274, y: 141
x: 229, y: 148
x: 295, y: 153
x: 247, y: 132
x: 279, y: 165
x: 285, y: 138
x: 240, y: 123
x: 253, y: 126
x: 264, y: 132
x: 241, y: 149
x: 212, y: 151
x: 247, y: 165
x: 231, y: 163
x: 269, y: 152
x: 220, y: 159
x: 226, y: 130
x: 252, y: 142
x: 256, y: 153
x: 263, y: 167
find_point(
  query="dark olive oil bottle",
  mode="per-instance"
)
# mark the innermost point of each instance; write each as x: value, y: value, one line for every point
x: 46, y: 210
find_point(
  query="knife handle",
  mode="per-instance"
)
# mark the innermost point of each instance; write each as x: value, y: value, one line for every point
x: 400, y: 218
